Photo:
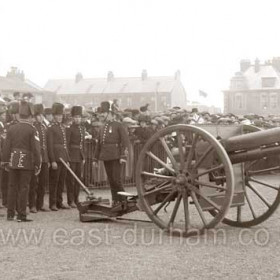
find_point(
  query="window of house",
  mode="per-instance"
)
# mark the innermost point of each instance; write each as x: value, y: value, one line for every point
x: 268, y: 82
x: 273, y: 100
x: 239, y: 102
x: 129, y: 101
x: 264, y: 101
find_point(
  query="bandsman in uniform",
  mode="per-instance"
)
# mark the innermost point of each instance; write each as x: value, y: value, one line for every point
x: 111, y: 148
x: 22, y: 156
x: 39, y: 183
x: 57, y: 148
x: 75, y: 140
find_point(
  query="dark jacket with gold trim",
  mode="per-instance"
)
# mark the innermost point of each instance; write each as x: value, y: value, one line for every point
x: 112, y: 142
x: 22, y: 147
x: 76, y: 142
x: 57, y: 143
x: 42, y: 131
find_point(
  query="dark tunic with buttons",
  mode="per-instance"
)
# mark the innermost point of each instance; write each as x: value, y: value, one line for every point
x: 57, y: 143
x: 42, y: 130
x: 112, y: 142
x: 22, y: 147
x: 76, y: 142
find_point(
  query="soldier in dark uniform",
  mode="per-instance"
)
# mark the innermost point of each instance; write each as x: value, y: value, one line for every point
x: 11, y: 119
x: 22, y: 155
x: 3, y: 133
x: 57, y: 148
x: 111, y: 148
x: 75, y: 140
x: 40, y: 183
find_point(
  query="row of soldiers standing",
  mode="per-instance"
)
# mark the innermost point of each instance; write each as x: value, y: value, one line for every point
x: 31, y: 159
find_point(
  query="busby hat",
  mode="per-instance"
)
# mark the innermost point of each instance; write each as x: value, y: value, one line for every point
x: 13, y: 107
x: 26, y: 109
x: 76, y: 110
x: 38, y: 109
x: 107, y: 106
x: 27, y: 95
x: 47, y: 111
x: 15, y: 94
x: 57, y: 109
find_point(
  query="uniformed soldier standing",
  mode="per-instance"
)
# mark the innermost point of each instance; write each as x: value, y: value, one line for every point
x: 75, y: 140
x: 11, y: 119
x: 57, y: 148
x: 22, y: 155
x: 111, y: 148
x: 40, y: 183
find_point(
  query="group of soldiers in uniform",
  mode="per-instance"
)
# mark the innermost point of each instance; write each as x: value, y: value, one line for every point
x: 34, y: 145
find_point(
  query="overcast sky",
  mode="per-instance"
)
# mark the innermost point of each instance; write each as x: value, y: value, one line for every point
x: 204, y: 39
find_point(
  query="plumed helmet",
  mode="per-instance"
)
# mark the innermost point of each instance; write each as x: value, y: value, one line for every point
x: 38, y: 109
x: 26, y: 108
x: 76, y: 110
x: 57, y: 109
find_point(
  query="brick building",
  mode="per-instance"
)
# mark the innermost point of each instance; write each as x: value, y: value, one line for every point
x: 132, y: 92
x: 254, y: 89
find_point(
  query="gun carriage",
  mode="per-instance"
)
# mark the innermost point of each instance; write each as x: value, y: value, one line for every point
x: 206, y: 174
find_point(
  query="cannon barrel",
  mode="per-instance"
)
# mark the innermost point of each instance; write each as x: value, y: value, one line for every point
x: 251, y: 146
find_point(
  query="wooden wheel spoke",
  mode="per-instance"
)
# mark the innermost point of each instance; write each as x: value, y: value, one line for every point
x: 186, y: 210
x: 150, y: 154
x: 198, y: 207
x: 169, y: 154
x: 220, y: 166
x: 169, y: 178
x: 206, y: 153
x: 191, y: 153
x: 175, y: 210
x: 264, y: 184
x: 181, y: 151
x: 159, y: 189
x: 167, y: 198
x: 209, y: 185
x: 198, y: 192
x: 238, y: 213
x: 250, y: 205
x: 259, y: 195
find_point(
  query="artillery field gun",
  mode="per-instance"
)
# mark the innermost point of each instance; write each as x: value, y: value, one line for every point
x: 206, y: 174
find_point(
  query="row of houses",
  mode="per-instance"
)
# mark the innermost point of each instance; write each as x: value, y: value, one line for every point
x: 255, y: 89
x: 160, y: 92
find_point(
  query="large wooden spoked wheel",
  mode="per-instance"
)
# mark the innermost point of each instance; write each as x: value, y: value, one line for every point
x: 261, y: 193
x: 174, y: 197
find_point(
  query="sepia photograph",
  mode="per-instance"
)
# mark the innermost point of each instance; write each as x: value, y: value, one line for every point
x: 139, y: 139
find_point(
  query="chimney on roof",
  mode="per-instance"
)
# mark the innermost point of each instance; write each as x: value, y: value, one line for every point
x: 144, y: 75
x: 178, y: 75
x: 257, y: 65
x: 276, y: 63
x: 15, y: 73
x: 78, y: 77
x: 110, y: 76
x: 244, y: 65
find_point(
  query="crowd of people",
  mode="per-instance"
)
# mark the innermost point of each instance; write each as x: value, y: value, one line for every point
x: 35, y: 143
